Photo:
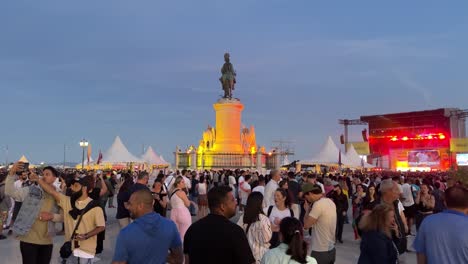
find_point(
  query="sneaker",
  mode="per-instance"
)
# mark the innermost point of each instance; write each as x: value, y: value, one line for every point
x: 10, y: 232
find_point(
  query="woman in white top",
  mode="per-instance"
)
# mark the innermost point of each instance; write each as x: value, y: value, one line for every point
x: 201, y: 188
x: 180, y: 203
x: 277, y: 212
x: 293, y: 248
x: 256, y: 225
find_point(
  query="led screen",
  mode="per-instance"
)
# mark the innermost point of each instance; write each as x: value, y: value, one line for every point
x: 462, y: 159
x: 423, y: 158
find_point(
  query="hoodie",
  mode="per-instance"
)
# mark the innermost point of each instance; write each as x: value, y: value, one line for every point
x: 147, y: 240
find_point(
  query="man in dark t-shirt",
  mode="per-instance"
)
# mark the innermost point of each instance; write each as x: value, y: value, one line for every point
x: 215, y: 239
x: 294, y: 188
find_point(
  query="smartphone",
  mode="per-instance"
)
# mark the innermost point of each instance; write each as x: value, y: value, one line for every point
x: 23, y: 166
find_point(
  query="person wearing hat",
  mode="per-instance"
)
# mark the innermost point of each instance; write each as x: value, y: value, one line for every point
x: 32, y: 223
x: 320, y: 214
x: 92, y: 223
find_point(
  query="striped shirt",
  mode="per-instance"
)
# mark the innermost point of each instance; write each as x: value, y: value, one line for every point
x: 259, y: 235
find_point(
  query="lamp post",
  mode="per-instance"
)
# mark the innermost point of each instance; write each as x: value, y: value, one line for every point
x: 83, y: 145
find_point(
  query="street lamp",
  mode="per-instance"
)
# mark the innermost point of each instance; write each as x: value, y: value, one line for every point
x: 83, y: 145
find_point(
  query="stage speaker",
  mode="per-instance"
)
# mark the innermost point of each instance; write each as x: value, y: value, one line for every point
x: 364, y: 135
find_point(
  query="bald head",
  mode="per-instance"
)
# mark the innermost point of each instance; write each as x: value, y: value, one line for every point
x: 457, y: 198
x: 142, y: 197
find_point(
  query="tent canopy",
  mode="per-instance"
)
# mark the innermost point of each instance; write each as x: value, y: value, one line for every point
x: 152, y: 158
x: 118, y: 153
x: 23, y: 159
x: 328, y: 155
x: 355, y: 160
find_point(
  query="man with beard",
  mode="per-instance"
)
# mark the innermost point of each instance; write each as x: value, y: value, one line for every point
x: 92, y: 223
x: 215, y: 239
x: 149, y: 237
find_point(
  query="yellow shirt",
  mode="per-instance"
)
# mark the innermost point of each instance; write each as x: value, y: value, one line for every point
x: 91, y: 219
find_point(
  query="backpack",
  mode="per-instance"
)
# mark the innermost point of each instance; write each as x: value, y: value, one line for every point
x: 270, y: 208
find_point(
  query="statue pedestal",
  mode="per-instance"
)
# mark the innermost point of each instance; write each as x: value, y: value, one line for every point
x: 228, y: 125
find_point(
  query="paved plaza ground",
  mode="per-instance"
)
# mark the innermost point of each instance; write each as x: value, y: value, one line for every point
x: 347, y: 253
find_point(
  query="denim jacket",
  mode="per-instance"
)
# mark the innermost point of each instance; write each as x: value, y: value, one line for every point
x: 32, y: 198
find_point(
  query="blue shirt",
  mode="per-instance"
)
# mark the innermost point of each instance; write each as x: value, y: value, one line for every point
x: 147, y: 240
x: 443, y: 238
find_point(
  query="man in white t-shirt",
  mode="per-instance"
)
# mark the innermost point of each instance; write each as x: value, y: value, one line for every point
x: 244, y: 191
x: 408, y: 204
x: 270, y: 188
x: 322, y: 218
x: 261, y: 186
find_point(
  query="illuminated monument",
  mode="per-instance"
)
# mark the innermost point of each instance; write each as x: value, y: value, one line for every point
x: 228, y: 145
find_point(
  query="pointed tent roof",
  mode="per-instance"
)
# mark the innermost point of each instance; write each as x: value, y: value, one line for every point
x: 163, y: 160
x: 151, y: 157
x: 118, y: 153
x: 23, y: 159
x: 354, y: 158
x: 328, y: 155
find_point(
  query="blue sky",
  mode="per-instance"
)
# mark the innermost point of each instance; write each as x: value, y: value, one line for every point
x: 148, y: 70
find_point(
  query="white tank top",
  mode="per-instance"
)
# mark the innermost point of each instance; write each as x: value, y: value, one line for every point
x: 202, y: 188
x: 176, y: 202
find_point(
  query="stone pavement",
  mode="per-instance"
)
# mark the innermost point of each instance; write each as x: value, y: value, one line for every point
x: 347, y: 253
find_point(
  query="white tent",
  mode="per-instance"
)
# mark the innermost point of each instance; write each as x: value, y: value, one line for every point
x: 163, y: 160
x: 328, y: 155
x: 118, y: 153
x: 23, y: 159
x: 152, y: 158
x: 355, y: 160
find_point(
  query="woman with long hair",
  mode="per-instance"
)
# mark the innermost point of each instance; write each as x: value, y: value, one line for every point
x: 341, y: 203
x: 357, y: 198
x: 256, y: 226
x: 293, y: 248
x: 277, y: 212
x: 180, y: 213
x: 202, y: 189
x: 370, y: 200
x: 425, y: 203
x: 160, y: 196
x: 377, y: 245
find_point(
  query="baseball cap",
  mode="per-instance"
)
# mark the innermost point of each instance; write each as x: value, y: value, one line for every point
x: 86, y: 181
x: 309, y: 187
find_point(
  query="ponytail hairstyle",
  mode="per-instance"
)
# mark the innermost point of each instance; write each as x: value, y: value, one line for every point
x: 292, y: 234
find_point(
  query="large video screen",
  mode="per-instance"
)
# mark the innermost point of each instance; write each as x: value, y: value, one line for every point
x: 462, y: 159
x: 423, y: 158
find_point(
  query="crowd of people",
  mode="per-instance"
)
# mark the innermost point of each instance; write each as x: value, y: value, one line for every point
x: 284, y: 216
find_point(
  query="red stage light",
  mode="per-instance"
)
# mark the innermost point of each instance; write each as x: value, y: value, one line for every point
x: 394, y: 139
x: 441, y: 136
x: 429, y: 137
x: 404, y: 138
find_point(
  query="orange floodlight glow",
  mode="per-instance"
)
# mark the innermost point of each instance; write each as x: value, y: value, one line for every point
x: 429, y: 137
x: 404, y: 138
x: 441, y: 136
x: 394, y: 139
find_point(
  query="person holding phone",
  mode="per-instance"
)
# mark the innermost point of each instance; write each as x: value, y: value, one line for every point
x: 31, y: 225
